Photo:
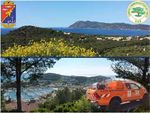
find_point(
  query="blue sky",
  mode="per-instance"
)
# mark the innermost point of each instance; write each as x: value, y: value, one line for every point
x: 83, y: 67
x: 64, y: 13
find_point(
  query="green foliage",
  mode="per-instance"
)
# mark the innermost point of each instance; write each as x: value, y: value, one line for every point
x: 50, y: 103
x: 129, y: 51
x: 63, y: 97
x: 82, y: 105
x: 67, y: 107
x: 136, y: 69
x: 76, y: 94
x: 140, y: 11
x: 69, y: 101
x: 40, y: 110
x: 24, y: 35
x: 51, y: 48
x: 32, y: 66
x: 16, y: 67
x: 73, y: 80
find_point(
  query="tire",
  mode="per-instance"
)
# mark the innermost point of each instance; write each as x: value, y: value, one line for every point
x: 103, y: 108
x: 115, y: 105
x: 145, y: 98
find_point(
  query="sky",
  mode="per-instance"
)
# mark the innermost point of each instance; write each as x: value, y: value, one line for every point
x: 83, y: 67
x: 64, y: 13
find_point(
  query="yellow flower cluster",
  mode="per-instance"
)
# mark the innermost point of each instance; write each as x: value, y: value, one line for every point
x: 52, y: 48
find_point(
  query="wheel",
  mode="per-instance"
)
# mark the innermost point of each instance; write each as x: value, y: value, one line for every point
x: 103, y: 108
x: 145, y: 98
x: 114, y: 105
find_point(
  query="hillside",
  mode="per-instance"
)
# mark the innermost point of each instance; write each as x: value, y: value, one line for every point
x: 74, y: 80
x: 25, y: 36
x: 33, y: 31
x: 101, y: 25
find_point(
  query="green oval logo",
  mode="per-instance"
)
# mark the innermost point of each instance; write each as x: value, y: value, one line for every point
x: 138, y: 12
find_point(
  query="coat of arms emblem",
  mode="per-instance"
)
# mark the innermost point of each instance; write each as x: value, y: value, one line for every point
x: 8, y: 14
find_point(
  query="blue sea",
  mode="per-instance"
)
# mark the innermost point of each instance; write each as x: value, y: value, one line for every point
x: 93, y: 31
x: 28, y: 93
x: 115, y: 32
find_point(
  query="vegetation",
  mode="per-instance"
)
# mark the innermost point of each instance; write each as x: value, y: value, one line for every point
x: 136, y: 69
x: 2, y: 104
x: 129, y: 51
x: 67, y: 100
x: 43, y: 48
x: 52, y: 78
x: 63, y: 96
x: 16, y: 67
x: 28, y: 37
x: 82, y: 105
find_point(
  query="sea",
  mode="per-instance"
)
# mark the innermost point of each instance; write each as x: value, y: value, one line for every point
x: 94, y: 31
x: 28, y: 94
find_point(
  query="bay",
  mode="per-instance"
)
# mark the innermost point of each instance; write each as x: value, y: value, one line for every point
x: 93, y: 31
x: 28, y: 94
x: 114, y: 32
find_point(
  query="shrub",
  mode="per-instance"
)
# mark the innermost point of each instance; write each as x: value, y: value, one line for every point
x: 82, y: 105
x: 129, y: 51
x: 40, y: 110
x: 51, y: 48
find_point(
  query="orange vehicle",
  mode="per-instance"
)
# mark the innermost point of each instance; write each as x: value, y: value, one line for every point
x: 114, y: 93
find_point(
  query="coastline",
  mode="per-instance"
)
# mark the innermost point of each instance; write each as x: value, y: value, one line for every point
x: 28, y: 95
x: 28, y: 105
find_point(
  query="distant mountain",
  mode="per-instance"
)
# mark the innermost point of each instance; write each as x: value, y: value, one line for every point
x: 101, y: 25
x: 74, y: 80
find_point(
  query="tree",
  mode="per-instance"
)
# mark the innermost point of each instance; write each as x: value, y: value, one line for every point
x: 77, y: 94
x: 139, y: 11
x: 136, y: 69
x: 64, y: 95
x: 2, y: 104
x: 63, y: 100
x: 19, y: 67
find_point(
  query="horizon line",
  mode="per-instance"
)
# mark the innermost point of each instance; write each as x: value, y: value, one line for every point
x: 78, y: 21
x: 81, y: 75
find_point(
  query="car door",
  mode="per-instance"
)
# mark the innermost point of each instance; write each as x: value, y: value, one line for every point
x: 128, y: 93
x: 135, y: 91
